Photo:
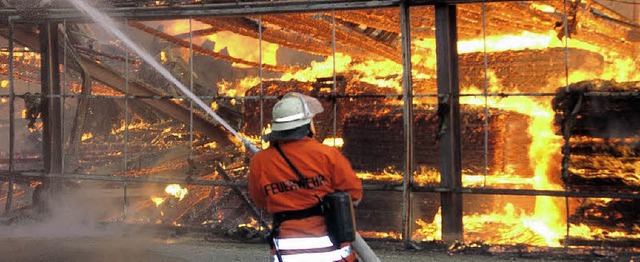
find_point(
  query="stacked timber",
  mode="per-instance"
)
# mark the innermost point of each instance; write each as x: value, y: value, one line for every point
x: 603, y: 109
x: 605, y: 164
x: 376, y: 141
x: 529, y: 71
x: 601, y: 121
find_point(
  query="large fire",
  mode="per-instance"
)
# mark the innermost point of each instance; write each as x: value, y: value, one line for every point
x: 544, y: 225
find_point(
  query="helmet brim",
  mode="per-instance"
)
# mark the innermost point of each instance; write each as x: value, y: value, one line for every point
x: 282, y: 126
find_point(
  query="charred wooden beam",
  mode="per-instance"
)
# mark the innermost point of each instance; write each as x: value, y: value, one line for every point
x: 320, y: 28
x: 75, y: 136
x: 601, y: 109
x: 448, y: 133
x: 254, y: 210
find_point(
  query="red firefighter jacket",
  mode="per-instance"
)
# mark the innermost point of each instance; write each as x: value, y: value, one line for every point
x: 274, y: 186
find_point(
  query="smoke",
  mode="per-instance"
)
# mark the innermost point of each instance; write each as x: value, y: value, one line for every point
x: 69, y: 212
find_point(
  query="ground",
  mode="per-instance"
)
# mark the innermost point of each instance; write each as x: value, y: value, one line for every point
x: 118, y: 243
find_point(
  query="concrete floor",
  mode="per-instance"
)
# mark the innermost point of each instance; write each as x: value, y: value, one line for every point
x: 130, y: 248
x: 127, y: 243
x: 116, y: 249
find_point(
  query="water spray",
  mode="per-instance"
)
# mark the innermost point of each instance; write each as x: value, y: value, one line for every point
x: 108, y: 24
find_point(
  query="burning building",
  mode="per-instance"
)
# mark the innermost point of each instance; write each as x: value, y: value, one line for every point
x: 501, y: 123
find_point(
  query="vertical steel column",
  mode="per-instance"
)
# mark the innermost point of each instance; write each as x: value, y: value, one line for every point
x: 334, y: 102
x: 125, y: 203
x: 407, y: 87
x: 12, y: 98
x: 50, y: 86
x: 260, y: 72
x: 449, y: 121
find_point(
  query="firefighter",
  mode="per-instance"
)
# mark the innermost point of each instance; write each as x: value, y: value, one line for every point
x: 299, y: 230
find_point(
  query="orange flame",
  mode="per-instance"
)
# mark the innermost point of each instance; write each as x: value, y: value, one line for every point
x: 546, y: 220
x: 252, y: 224
x: 86, y: 136
x: 382, y: 73
x: 157, y: 200
x: 176, y: 191
x: 244, y: 47
x: 163, y: 56
x: 211, y: 145
x: 131, y: 126
x: 333, y: 141
x: 542, y: 7
x: 429, y: 231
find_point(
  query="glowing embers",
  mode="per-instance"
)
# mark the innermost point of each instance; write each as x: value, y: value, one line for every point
x: 26, y: 65
x: 253, y: 223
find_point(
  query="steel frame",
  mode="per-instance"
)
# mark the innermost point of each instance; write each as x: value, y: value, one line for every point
x: 450, y: 189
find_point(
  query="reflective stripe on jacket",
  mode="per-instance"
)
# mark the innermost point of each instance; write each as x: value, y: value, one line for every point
x: 311, y: 249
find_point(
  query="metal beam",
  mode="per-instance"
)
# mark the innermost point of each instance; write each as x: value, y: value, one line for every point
x: 407, y: 118
x: 12, y: 128
x: 219, y: 9
x: 529, y: 192
x: 25, y: 175
x: 51, y: 105
x: 449, y: 121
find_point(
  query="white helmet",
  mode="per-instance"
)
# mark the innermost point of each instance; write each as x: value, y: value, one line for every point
x: 294, y: 110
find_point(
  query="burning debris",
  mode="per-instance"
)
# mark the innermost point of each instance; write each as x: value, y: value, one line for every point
x: 599, y: 121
